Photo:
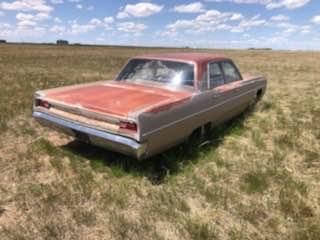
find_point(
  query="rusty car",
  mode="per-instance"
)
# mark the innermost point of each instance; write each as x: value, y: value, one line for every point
x: 156, y: 102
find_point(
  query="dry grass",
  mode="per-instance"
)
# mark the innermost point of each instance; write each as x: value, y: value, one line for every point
x: 258, y: 178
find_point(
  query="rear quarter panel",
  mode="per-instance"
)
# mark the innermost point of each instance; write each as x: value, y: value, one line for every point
x: 164, y: 129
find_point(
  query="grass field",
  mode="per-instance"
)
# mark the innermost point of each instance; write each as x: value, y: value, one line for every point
x: 257, y: 177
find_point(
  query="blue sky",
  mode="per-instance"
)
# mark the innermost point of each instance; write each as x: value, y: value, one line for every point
x: 280, y: 24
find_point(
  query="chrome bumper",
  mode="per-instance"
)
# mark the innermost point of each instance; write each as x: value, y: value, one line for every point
x: 106, y: 140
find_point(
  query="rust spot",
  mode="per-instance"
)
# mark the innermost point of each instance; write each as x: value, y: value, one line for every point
x: 118, y: 98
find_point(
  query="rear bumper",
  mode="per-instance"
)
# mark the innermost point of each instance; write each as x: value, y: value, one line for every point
x: 106, y: 140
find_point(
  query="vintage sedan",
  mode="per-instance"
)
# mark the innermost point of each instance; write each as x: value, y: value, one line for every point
x: 156, y: 102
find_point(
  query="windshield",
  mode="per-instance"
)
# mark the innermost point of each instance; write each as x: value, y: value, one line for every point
x: 173, y: 73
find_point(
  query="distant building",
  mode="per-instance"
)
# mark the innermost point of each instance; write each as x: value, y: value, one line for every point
x: 62, y: 42
x: 261, y: 49
x: 3, y: 41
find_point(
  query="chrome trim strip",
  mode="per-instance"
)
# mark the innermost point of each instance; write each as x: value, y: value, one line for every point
x: 90, y: 131
x: 202, y: 111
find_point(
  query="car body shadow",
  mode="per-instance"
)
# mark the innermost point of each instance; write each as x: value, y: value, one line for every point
x: 158, y: 168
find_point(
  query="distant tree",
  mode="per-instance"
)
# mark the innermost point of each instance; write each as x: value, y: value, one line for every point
x: 3, y: 41
x: 62, y: 42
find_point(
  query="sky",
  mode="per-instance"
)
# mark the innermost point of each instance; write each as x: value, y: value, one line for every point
x: 277, y: 24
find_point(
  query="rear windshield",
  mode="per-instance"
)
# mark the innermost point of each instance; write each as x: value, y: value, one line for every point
x: 170, y: 72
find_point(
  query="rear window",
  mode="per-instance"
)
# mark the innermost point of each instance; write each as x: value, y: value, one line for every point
x: 169, y: 72
x: 230, y: 72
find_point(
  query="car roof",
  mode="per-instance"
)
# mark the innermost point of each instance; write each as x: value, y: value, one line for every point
x: 185, y: 56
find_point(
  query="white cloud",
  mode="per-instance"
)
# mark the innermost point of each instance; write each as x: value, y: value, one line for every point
x: 78, y: 28
x: 142, y: 9
x: 58, y: 29
x: 30, y: 20
x: 289, y: 28
x: 74, y: 1
x: 27, y: 6
x: 95, y: 21
x: 31, y: 17
x: 316, y: 19
x: 5, y: 29
x: 27, y: 23
x: 1, y: 14
x: 181, y: 24
x: 30, y: 14
x: 131, y: 27
x: 211, y: 21
x: 236, y: 16
x: 195, y: 7
x: 57, y: 20
x: 92, y: 25
x: 90, y: 8
x: 5, y: 26
x: 108, y: 20
x: 247, y: 24
x: 305, y: 29
x: 100, y: 39
x: 280, y: 18
x: 79, y: 6
x: 23, y: 30
x: 56, y: 1
x: 290, y: 4
x: 217, y: 16
x: 270, y: 4
x: 122, y: 15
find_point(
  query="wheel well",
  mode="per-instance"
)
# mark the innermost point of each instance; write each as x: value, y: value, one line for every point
x: 259, y: 94
x: 202, y: 130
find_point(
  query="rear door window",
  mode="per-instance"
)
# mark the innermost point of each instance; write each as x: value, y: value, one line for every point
x: 215, y: 77
x: 231, y: 73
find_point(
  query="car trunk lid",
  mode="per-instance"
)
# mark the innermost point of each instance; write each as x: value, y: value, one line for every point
x: 117, y: 98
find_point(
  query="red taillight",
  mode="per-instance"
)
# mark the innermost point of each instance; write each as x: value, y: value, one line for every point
x: 42, y: 103
x: 128, y: 126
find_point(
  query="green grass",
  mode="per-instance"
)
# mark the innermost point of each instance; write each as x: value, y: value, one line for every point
x: 255, y: 182
x: 255, y: 177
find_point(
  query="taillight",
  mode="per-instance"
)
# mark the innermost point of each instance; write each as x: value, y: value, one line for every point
x: 43, y: 103
x: 128, y: 126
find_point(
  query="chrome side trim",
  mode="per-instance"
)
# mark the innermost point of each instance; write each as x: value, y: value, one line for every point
x: 90, y: 131
x: 200, y: 112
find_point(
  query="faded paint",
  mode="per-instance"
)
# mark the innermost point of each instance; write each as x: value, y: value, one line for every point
x: 165, y: 116
x: 198, y: 58
x: 118, y: 98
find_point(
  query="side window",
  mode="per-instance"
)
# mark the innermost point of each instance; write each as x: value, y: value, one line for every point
x: 215, y: 76
x: 230, y: 72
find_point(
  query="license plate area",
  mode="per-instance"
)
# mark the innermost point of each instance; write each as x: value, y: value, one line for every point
x: 81, y: 136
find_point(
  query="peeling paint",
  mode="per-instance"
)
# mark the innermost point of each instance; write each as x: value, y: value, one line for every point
x: 164, y: 115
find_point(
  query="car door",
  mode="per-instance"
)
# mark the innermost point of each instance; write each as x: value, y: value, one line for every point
x: 236, y: 90
x: 216, y: 98
x: 223, y: 83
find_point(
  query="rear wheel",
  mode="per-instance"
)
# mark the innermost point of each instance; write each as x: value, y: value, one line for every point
x: 201, y: 133
x: 256, y: 98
